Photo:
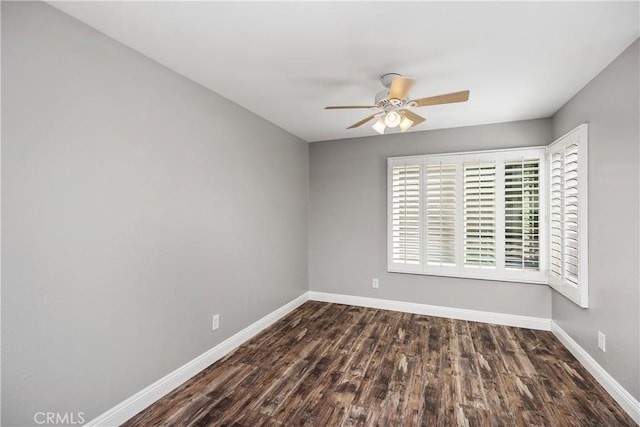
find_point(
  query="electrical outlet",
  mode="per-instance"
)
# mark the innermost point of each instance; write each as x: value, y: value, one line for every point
x: 375, y: 284
x: 602, y: 341
x: 215, y: 322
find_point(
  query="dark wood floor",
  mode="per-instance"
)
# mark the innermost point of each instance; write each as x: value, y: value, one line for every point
x: 337, y: 365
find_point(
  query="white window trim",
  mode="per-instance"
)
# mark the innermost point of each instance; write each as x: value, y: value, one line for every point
x: 578, y: 294
x: 500, y: 273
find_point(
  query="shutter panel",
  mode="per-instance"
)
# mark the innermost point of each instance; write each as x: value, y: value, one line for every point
x: 479, y: 214
x: 570, y: 210
x: 440, y: 213
x: 522, y: 230
x: 556, y: 207
x: 564, y: 213
x: 405, y: 215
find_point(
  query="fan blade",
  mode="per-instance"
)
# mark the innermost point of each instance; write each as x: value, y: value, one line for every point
x: 361, y: 122
x: 447, y: 98
x: 400, y: 87
x: 345, y: 107
x: 416, y: 119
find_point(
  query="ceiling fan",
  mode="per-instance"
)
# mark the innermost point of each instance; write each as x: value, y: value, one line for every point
x: 394, y: 104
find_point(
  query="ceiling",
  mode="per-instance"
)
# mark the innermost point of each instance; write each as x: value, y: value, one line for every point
x: 285, y: 61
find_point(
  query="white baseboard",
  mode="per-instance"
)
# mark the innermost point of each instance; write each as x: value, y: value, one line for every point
x: 144, y: 398
x: 438, y: 311
x: 613, y: 387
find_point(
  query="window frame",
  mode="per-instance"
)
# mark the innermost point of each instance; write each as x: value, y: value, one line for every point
x: 500, y: 273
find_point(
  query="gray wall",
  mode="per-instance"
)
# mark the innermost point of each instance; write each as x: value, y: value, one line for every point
x: 347, y: 220
x: 610, y: 105
x: 135, y: 204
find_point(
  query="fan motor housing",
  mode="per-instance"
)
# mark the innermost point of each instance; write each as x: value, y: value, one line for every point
x: 382, y: 98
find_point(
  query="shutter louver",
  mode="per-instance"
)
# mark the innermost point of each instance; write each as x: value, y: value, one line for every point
x: 480, y: 214
x: 440, y: 210
x: 406, y: 215
x: 522, y: 231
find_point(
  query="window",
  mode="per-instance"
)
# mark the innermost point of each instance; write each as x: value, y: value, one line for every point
x: 522, y: 214
x: 515, y: 215
x: 406, y: 216
x: 474, y: 215
x: 480, y: 214
x: 567, y: 158
x: 440, y: 211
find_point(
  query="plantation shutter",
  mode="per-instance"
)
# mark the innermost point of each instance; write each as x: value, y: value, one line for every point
x: 522, y: 230
x: 440, y: 214
x: 479, y: 208
x: 568, y: 215
x: 477, y: 215
x: 406, y: 215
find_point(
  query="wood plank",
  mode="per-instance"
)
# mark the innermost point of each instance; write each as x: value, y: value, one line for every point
x: 488, y: 362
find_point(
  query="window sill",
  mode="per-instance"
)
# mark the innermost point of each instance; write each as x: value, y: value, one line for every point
x: 474, y: 277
